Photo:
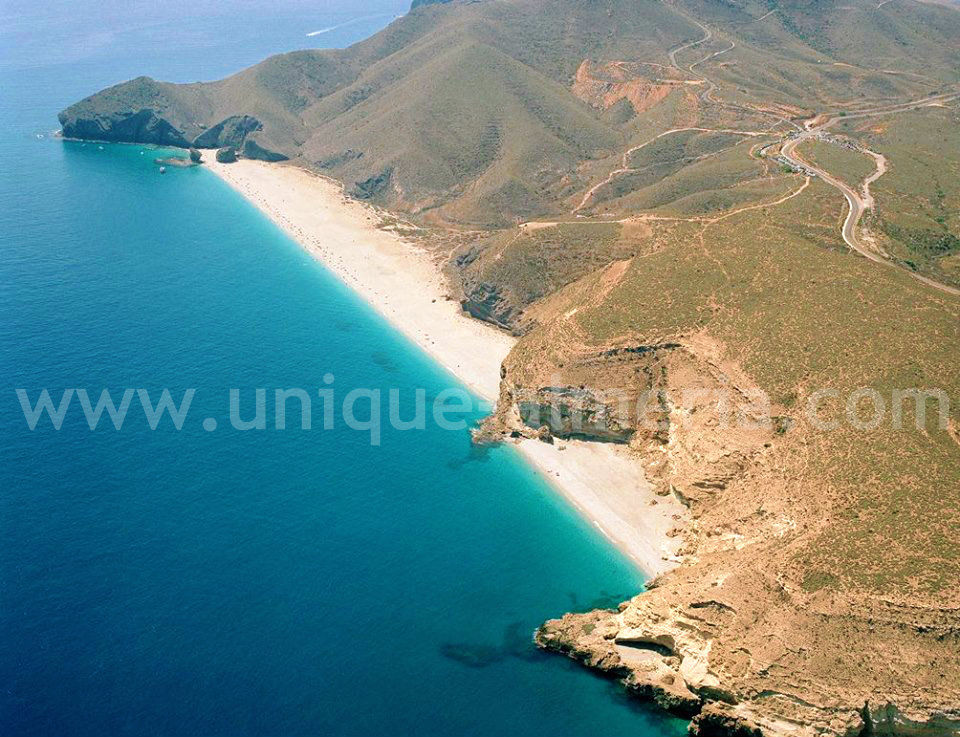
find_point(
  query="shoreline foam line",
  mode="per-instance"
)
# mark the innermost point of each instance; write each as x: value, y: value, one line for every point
x: 404, y: 284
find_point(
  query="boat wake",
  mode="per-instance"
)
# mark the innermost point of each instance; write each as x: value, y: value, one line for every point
x: 348, y: 23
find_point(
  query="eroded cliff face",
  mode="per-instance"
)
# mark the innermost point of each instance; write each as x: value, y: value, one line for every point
x: 140, y: 126
x: 605, y: 85
x: 739, y: 637
x: 695, y: 420
x: 707, y: 642
x: 150, y: 112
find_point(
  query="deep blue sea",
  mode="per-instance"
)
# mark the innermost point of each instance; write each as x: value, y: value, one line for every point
x: 262, y: 582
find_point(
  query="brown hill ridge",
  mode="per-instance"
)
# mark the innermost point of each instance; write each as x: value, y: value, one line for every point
x: 462, y: 112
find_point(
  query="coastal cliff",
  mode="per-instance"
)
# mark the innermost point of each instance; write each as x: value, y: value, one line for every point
x: 150, y: 112
x: 661, y: 645
x: 759, y: 630
x: 781, y: 618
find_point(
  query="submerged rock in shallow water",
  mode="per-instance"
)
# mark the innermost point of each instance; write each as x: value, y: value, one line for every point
x: 174, y: 161
x: 472, y: 656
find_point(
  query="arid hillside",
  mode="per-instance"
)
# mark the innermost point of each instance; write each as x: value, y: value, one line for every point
x: 483, y: 112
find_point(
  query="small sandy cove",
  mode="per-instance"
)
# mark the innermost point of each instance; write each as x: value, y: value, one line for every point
x: 404, y: 284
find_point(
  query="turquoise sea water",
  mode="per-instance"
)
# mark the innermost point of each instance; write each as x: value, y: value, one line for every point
x: 243, y: 583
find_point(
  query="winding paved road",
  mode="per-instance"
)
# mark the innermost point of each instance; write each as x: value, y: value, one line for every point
x: 859, y: 204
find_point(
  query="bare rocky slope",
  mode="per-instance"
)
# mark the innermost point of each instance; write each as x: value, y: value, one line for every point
x: 604, y: 179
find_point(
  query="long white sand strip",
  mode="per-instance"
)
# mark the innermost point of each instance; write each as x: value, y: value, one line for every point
x: 404, y: 284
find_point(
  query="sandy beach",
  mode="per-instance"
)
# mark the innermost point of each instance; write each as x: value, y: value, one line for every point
x: 404, y: 284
